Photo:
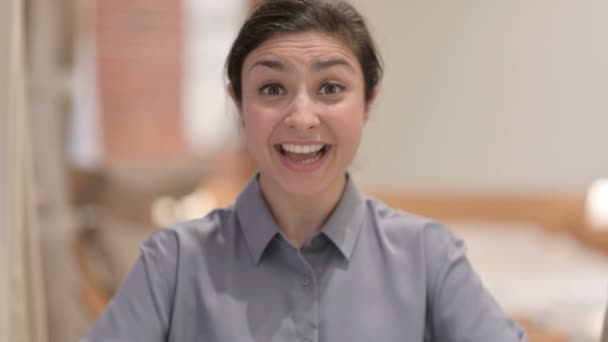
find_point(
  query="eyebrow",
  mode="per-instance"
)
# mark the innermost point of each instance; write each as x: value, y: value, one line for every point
x: 326, y: 64
x: 275, y: 65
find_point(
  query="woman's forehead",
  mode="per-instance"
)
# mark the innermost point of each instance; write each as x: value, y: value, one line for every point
x: 310, y: 48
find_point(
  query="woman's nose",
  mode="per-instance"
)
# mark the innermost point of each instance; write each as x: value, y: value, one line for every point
x: 302, y: 114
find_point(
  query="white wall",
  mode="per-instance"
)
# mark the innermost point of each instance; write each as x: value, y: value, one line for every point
x: 488, y: 95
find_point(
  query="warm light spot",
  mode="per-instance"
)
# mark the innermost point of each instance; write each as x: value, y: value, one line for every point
x: 596, y: 210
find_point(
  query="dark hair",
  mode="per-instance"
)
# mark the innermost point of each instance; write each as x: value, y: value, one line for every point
x: 336, y: 18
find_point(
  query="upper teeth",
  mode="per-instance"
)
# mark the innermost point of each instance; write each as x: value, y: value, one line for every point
x: 302, y: 148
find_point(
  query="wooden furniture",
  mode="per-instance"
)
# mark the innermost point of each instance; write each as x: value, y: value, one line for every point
x: 554, y: 212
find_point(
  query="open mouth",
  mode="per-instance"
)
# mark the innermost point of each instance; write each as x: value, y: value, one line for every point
x: 303, y: 154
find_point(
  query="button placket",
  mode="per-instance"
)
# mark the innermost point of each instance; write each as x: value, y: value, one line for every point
x: 305, y: 280
x: 307, y: 317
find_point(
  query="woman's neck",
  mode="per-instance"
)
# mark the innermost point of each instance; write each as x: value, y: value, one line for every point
x: 300, y: 217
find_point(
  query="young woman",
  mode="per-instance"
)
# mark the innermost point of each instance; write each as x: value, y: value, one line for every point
x: 303, y: 255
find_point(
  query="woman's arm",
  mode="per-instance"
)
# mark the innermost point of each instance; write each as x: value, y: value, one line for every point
x: 461, y: 309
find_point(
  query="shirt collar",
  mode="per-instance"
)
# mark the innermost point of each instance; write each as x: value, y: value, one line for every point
x: 345, y: 222
x: 259, y: 227
x: 256, y: 221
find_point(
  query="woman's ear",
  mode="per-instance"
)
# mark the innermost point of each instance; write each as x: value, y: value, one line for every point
x: 235, y: 100
x: 368, y: 104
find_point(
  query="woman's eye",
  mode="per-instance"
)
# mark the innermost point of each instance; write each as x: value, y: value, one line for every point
x: 272, y: 90
x: 331, y: 88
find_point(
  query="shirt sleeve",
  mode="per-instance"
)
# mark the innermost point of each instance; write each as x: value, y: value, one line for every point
x: 141, y: 308
x: 460, y: 308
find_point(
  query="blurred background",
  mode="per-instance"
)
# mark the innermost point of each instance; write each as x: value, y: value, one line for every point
x: 114, y: 121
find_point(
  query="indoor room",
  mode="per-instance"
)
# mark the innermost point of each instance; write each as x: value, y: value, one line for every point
x: 118, y: 120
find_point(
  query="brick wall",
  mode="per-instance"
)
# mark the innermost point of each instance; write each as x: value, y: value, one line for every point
x: 139, y: 53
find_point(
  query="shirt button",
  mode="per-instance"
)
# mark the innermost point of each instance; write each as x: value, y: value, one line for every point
x: 305, y: 280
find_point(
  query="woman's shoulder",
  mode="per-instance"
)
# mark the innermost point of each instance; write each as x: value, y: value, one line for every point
x: 399, y: 221
x: 386, y: 216
x: 431, y: 238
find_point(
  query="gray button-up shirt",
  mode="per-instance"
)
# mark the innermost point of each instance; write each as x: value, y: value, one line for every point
x: 372, y: 274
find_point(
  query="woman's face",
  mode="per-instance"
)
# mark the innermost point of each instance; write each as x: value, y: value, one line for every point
x: 303, y: 111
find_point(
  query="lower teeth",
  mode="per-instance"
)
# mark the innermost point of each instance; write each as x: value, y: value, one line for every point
x: 310, y: 160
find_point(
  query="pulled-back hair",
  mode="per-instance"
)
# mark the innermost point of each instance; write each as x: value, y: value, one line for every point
x: 337, y: 18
